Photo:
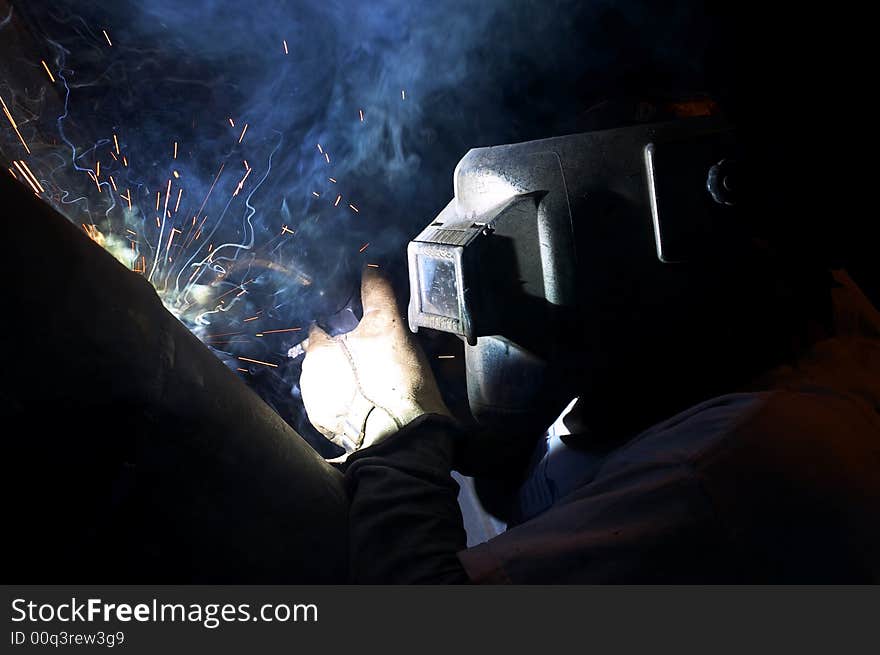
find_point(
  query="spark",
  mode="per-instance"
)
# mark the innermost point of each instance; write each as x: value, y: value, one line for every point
x: 332, y: 179
x: 230, y: 291
x: 257, y: 361
x: 320, y: 149
x: 174, y: 231
x: 402, y: 94
x: 242, y: 132
x: 361, y: 112
x: 95, y: 180
x: 252, y: 318
x: 241, y: 184
x: 213, y: 184
x: 124, y: 160
x: 128, y: 197
x: 293, y: 329
x: 316, y: 194
x: 34, y: 177
x: 284, y: 41
x: 158, y: 199
x: 285, y: 229
x: 14, y: 125
x: 246, y: 165
x: 108, y: 38
x: 167, y: 194
x: 114, y: 184
x: 354, y: 209
x: 327, y: 157
x: 338, y: 198
x: 98, y: 170
x: 113, y: 154
x: 364, y: 247
x: 13, y: 173
x: 51, y: 77
x: 243, y: 370
x: 177, y: 204
x: 373, y: 265
x: 224, y: 334
x: 27, y: 179
x: 231, y: 122
x: 445, y: 356
x: 176, y: 175
x: 175, y: 150
x: 116, y: 143
x: 199, y: 231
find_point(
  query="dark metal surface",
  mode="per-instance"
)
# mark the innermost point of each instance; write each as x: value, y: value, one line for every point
x: 130, y: 453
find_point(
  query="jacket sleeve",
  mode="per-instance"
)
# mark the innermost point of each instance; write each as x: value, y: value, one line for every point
x: 405, y: 524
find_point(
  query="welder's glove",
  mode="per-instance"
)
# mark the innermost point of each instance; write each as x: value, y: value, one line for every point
x: 361, y: 387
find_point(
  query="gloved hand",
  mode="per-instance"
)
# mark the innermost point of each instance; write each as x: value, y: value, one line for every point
x: 363, y: 386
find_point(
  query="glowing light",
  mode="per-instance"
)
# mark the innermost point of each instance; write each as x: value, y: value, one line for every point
x: 293, y: 329
x: 257, y: 361
x: 241, y: 184
x: 51, y: 77
x: 14, y: 125
x: 32, y: 183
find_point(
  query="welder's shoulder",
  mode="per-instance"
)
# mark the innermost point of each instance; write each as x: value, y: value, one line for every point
x: 818, y: 439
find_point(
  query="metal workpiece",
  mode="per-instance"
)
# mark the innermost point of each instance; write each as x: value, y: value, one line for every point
x: 172, y: 469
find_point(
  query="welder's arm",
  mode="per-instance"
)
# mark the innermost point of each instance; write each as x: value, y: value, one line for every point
x: 405, y: 524
x: 372, y: 392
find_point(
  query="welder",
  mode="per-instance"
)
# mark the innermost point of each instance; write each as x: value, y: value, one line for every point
x: 727, y: 422
x: 773, y: 482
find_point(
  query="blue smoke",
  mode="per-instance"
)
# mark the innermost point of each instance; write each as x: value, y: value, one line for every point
x: 356, y: 113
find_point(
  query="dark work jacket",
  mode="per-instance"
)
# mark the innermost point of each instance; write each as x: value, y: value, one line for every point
x: 776, y: 484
